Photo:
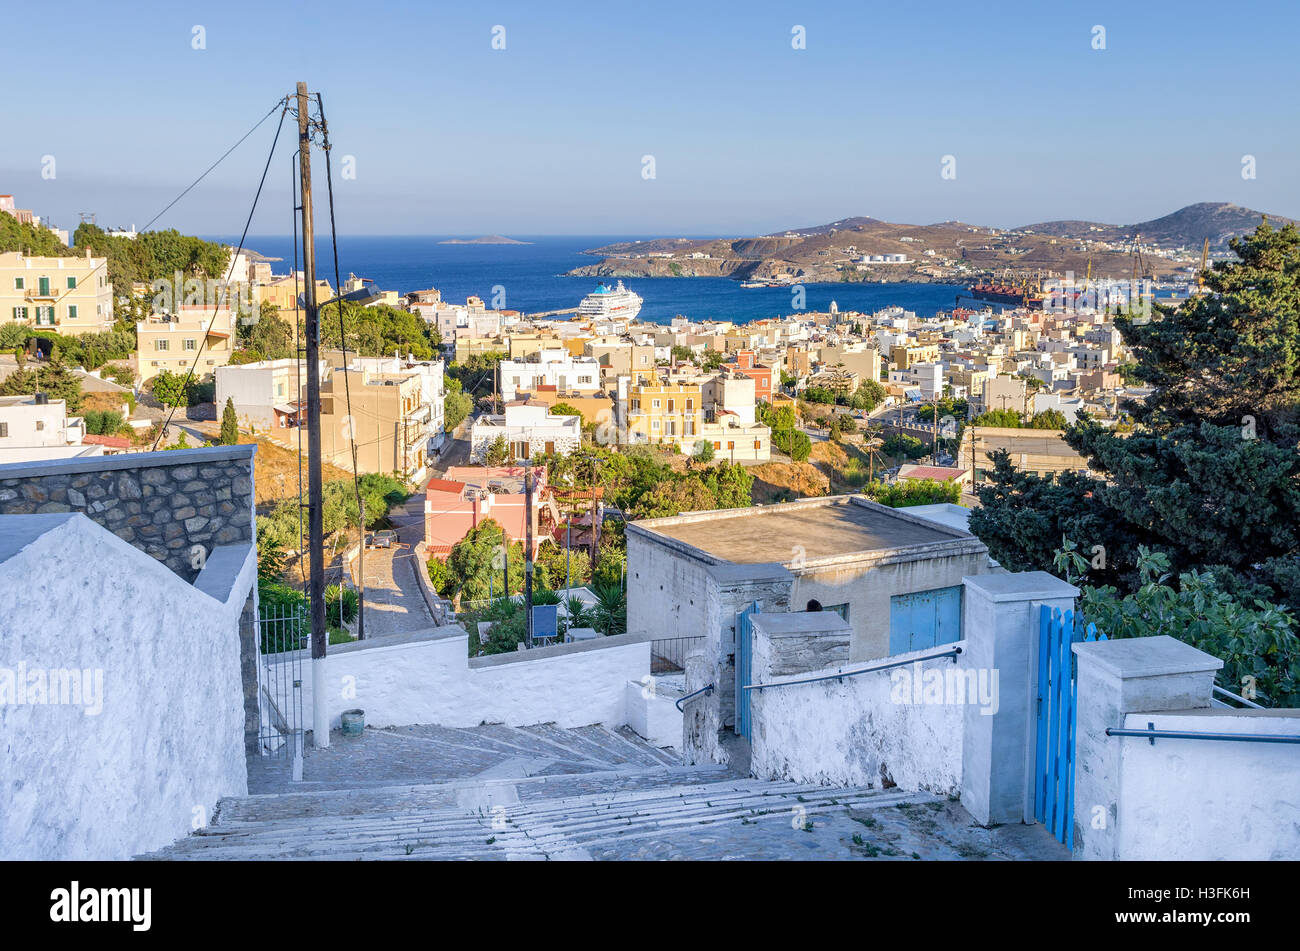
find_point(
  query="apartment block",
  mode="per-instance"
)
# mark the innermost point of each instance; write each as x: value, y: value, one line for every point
x: 664, y: 413
x: 201, y: 337
x: 69, y: 295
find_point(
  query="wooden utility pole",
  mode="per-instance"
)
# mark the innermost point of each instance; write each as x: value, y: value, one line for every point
x: 528, y: 554
x: 315, y: 528
x: 361, y: 577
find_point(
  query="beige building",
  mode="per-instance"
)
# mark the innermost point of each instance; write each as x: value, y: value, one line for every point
x: 862, y: 360
x: 737, y: 441
x: 198, y: 337
x: 69, y: 295
x: 283, y: 292
x: 388, y: 422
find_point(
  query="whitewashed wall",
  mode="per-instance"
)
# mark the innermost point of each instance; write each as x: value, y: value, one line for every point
x: 429, y: 678
x: 168, y: 742
x: 853, y: 733
x: 1201, y: 799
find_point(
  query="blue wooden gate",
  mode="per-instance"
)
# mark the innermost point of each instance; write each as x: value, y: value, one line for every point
x: 744, y: 665
x: 1057, y: 707
x: 924, y: 619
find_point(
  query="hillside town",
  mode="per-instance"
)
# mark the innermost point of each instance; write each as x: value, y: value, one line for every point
x: 597, y: 585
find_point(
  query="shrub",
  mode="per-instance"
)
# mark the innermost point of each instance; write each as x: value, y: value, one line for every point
x: 340, y: 600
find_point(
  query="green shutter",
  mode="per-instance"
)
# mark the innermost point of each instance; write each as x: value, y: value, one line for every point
x: 72, y: 312
x: 72, y: 283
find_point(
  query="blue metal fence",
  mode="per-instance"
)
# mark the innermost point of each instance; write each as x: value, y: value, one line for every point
x: 744, y: 658
x: 1057, y: 707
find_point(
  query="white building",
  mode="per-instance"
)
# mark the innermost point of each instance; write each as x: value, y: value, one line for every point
x: 528, y: 429
x: 927, y: 377
x: 266, y: 394
x: 568, y: 374
x: 37, y: 427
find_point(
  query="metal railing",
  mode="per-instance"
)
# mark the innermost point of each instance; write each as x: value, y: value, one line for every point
x: 841, y: 674
x: 1228, y: 693
x: 707, y: 688
x: 668, y: 654
x: 1152, y: 734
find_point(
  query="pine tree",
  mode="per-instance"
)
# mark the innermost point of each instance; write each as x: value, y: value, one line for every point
x: 229, y: 425
x: 1211, y: 473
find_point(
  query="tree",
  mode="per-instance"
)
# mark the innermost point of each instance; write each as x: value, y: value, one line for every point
x: 456, y: 405
x: 1049, y: 419
x: 795, y: 443
x: 1006, y: 418
x: 868, y: 396
x: 913, y: 492
x: 704, y: 450
x: 901, y: 444
x: 171, y: 389
x: 565, y: 409
x: 53, y: 379
x: 267, y: 335
x: 497, y: 452
x: 229, y: 425
x: 476, y: 563
x: 1210, y: 475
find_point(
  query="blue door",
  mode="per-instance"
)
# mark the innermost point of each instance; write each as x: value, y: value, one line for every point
x: 924, y: 619
x: 744, y: 655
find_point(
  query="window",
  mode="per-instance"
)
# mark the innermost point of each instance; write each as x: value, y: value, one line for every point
x: 758, y: 444
x: 717, y: 444
x: 841, y: 609
x: 654, y: 404
x: 44, y: 286
x: 18, y: 283
x: 190, y: 344
x: 160, y: 345
x: 72, y: 312
x: 690, y: 406
x: 40, y: 425
x: 72, y: 283
x: 584, y: 379
x: 20, y: 313
x: 670, y: 406
x: 654, y: 425
x: 4, y: 429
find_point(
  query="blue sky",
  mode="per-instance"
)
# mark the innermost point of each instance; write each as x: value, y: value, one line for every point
x: 748, y: 135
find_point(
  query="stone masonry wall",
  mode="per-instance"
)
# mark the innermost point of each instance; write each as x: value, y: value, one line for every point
x: 163, y: 503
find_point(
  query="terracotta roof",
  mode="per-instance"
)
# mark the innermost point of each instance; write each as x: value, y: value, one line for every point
x: 446, y: 485
x: 115, y: 442
x: 940, y: 473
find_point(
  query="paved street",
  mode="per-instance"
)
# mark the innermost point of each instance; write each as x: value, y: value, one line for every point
x: 394, y: 604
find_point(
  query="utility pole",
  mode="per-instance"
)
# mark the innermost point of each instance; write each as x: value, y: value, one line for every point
x: 361, y: 579
x: 315, y: 529
x: 528, y: 554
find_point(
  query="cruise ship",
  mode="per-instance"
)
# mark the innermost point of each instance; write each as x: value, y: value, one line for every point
x: 607, y: 302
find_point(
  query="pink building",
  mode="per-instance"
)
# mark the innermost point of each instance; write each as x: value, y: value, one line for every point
x: 470, y: 495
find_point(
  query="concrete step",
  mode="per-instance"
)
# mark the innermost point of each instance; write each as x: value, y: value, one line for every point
x: 422, y: 823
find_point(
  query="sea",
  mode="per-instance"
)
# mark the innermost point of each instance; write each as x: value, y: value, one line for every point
x: 531, y: 278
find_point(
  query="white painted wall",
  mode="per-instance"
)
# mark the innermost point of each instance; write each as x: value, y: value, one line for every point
x: 169, y: 740
x: 429, y: 678
x: 1185, y: 800
x: 853, y: 733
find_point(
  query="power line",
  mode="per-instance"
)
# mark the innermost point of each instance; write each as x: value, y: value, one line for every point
x: 230, y: 270
x: 188, y: 188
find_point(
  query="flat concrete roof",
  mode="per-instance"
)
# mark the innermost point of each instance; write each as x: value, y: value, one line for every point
x: 824, y: 529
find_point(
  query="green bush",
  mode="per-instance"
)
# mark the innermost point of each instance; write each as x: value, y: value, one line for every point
x: 347, y: 603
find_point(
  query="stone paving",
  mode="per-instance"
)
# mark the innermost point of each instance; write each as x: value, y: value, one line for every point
x: 494, y: 792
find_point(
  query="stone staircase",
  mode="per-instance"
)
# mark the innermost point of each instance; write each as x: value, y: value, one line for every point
x: 508, y: 793
x: 495, y: 792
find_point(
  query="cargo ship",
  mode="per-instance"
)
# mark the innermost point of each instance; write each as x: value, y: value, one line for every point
x: 1004, y: 295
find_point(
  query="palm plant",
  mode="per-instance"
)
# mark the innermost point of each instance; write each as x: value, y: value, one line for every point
x: 610, y: 612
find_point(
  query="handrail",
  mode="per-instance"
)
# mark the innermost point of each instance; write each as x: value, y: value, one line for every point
x: 1242, y: 700
x: 707, y: 688
x: 1151, y: 733
x: 841, y: 674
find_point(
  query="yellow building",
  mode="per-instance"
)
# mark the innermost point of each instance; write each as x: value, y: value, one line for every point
x: 664, y: 413
x: 904, y: 358
x: 281, y: 293
x: 174, y: 341
x: 69, y: 295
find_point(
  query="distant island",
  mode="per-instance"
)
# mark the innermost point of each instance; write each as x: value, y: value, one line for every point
x: 488, y: 239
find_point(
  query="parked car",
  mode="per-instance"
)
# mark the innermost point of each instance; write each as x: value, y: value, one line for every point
x: 381, y: 539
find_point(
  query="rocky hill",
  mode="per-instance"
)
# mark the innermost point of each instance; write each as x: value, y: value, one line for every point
x: 949, y: 251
